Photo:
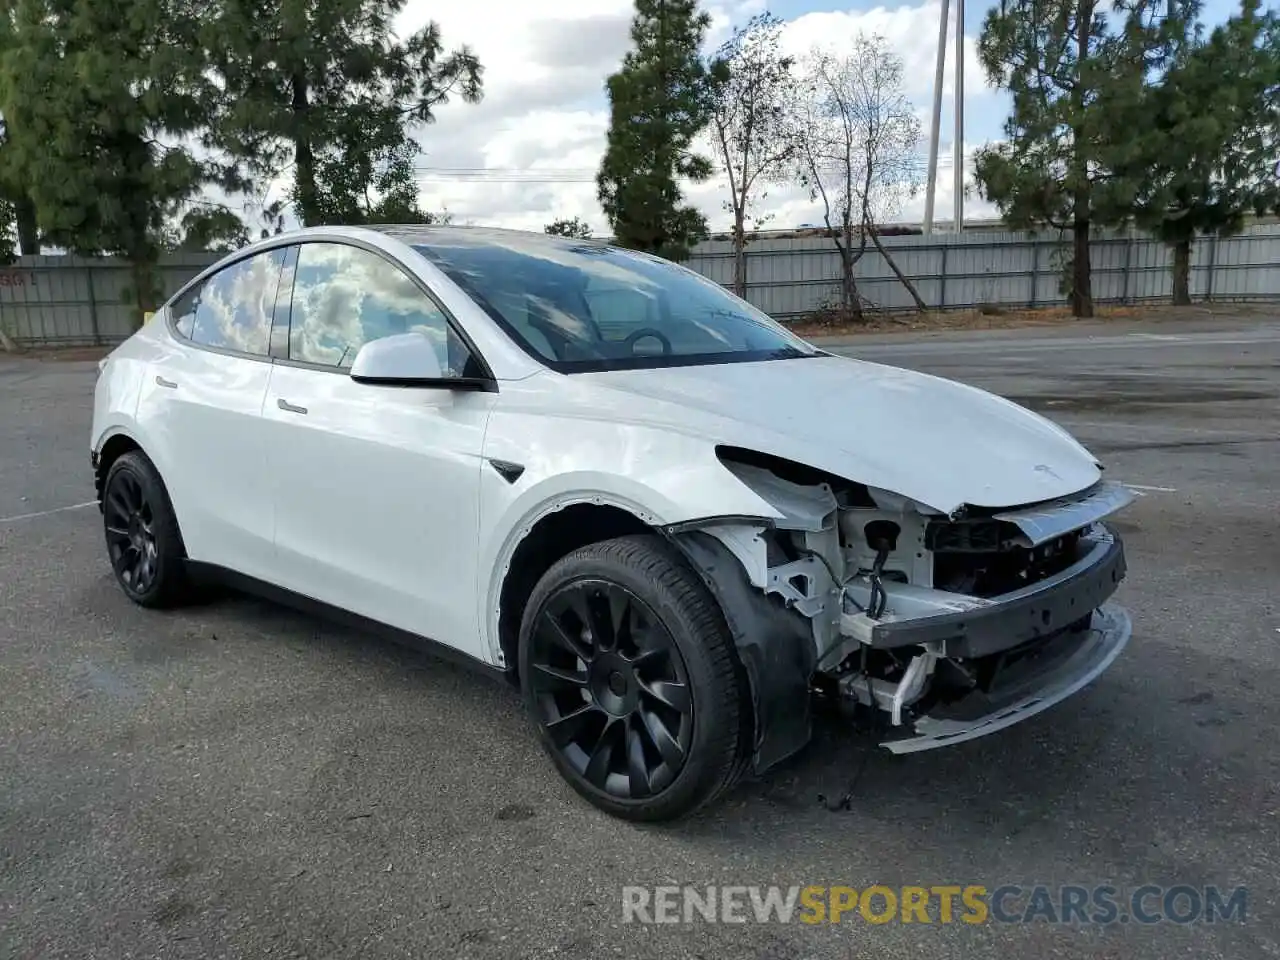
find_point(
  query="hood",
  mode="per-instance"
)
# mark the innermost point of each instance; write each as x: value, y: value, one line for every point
x: 938, y: 442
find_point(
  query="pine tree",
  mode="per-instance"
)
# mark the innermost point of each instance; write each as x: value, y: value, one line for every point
x: 660, y: 100
x: 1211, y: 156
x: 574, y: 227
x: 97, y: 98
x: 17, y: 210
x: 322, y: 88
x: 1071, y: 71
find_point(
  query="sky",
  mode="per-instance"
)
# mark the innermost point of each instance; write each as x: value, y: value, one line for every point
x: 528, y: 153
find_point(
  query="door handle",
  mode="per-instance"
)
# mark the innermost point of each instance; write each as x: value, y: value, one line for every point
x: 284, y: 404
x: 162, y: 382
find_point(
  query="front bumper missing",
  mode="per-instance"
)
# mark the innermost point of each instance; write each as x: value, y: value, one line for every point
x: 968, y: 627
x: 1106, y: 636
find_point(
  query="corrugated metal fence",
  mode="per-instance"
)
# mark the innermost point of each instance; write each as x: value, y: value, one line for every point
x: 76, y: 301
x: 795, y: 278
x: 71, y: 300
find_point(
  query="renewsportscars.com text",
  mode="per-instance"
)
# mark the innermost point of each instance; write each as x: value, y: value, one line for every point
x: 939, y: 903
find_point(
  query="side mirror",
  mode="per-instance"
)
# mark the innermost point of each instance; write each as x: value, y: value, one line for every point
x: 408, y: 360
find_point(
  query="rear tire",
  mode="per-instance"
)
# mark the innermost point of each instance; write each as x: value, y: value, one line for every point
x: 143, y: 541
x: 629, y: 672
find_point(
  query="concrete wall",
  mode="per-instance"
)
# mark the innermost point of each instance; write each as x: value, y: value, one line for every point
x: 73, y: 301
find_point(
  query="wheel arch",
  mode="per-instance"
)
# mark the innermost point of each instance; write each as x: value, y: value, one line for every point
x: 773, y: 646
x: 554, y: 534
x: 116, y: 444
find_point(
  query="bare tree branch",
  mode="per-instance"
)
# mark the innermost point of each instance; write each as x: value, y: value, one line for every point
x: 854, y: 140
x: 749, y: 113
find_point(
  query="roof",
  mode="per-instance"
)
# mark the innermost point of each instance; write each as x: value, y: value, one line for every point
x: 427, y: 233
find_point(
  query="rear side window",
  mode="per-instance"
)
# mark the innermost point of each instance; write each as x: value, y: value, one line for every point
x: 184, y: 312
x: 231, y: 310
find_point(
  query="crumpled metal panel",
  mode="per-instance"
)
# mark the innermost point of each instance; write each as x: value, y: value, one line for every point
x: 1045, y: 521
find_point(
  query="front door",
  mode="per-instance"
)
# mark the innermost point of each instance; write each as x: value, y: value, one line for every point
x: 376, y: 488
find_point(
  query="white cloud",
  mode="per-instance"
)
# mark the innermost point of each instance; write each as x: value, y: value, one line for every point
x: 540, y: 131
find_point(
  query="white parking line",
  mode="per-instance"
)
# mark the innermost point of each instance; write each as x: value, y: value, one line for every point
x: 45, y: 513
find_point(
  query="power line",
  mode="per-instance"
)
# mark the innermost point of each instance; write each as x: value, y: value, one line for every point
x: 505, y: 175
x: 573, y: 174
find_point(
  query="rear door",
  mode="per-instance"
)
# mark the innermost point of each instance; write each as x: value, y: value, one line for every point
x: 376, y: 487
x: 201, y: 405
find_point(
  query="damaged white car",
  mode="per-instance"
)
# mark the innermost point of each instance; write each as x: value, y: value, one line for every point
x: 673, y: 523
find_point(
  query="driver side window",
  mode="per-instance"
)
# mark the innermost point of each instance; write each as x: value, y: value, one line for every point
x: 345, y: 297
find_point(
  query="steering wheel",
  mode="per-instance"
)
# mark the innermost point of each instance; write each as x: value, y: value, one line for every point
x: 561, y: 341
x: 644, y: 333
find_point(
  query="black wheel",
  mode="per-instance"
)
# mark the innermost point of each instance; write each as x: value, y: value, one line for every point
x: 629, y: 672
x: 143, y: 540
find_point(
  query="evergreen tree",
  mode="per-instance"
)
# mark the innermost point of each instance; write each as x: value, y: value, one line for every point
x: 211, y: 228
x: 573, y: 227
x: 97, y: 98
x: 660, y: 100
x: 322, y: 88
x: 17, y: 211
x: 1211, y: 155
x: 1071, y: 72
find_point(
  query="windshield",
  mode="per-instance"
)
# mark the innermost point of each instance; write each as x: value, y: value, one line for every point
x: 584, y: 306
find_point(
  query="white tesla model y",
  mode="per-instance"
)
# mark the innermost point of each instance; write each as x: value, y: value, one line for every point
x: 670, y: 521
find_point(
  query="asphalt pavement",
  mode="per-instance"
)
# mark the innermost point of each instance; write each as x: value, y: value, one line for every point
x: 239, y: 780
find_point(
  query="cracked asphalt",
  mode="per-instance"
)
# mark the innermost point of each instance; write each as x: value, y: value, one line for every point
x: 239, y: 780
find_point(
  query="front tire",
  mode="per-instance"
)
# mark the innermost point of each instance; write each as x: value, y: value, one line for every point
x: 629, y: 672
x: 143, y: 541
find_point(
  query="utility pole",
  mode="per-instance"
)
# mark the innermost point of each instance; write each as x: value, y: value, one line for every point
x: 935, y: 124
x: 936, y: 121
x: 957, y: 145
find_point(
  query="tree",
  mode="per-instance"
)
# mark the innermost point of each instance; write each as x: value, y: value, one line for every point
x: 1212, y: 156
x: 17, y: 211
x: 212, y: 228
x: 574, y: 227
x: 8, y: 251
x: 378, y: 187
x: 749, y: 124
x: 1071, y: 72
x: 322, y: 88
x: 659, y: 102
x: 855, y: 137
x: 98, y: 98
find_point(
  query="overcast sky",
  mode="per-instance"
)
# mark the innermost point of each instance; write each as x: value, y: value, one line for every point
x: 529, y: 152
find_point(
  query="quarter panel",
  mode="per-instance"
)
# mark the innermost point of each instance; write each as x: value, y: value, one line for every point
x: 115, y: 397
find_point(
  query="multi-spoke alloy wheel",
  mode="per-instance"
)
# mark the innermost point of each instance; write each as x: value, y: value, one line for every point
x: 629, y: 673
x: 143, y: 542
x: 611, y: 687
x: 131, y: 538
